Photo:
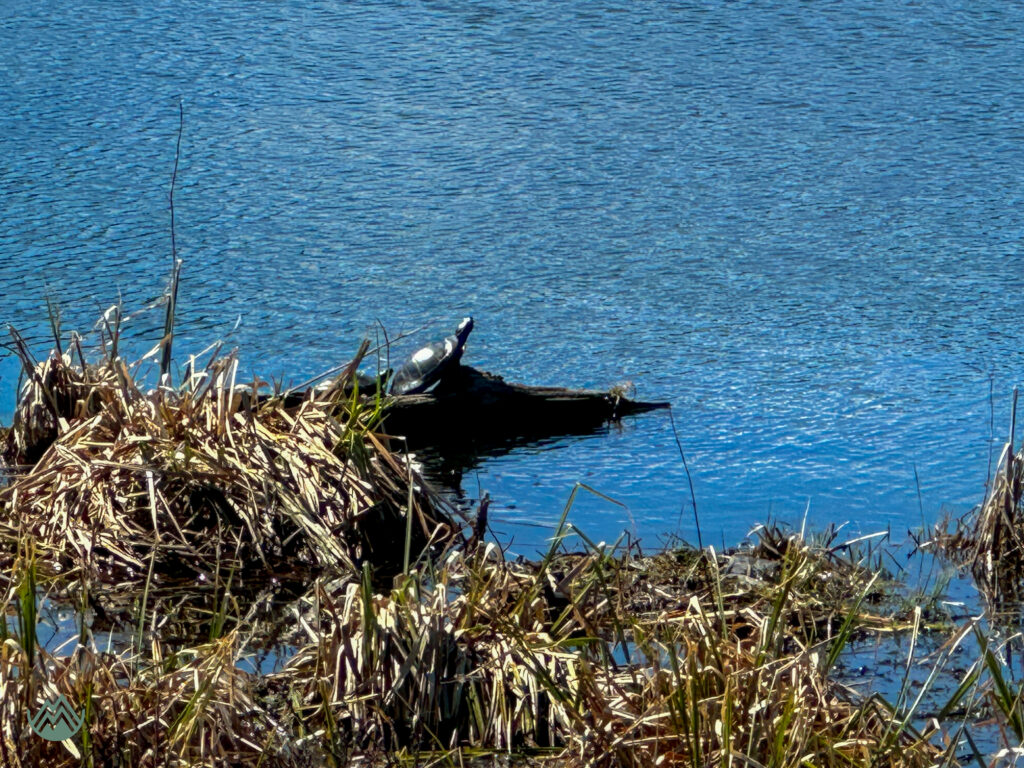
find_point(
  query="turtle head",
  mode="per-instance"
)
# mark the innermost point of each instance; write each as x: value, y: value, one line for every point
x: 464, y: 329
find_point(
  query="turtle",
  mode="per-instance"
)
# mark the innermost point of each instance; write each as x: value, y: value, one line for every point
x: 429, y: 364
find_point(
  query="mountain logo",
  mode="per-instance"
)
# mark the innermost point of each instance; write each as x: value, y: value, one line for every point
x: 56, y: 720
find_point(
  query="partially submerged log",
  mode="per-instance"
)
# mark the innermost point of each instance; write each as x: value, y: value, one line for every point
x: 471, y: 406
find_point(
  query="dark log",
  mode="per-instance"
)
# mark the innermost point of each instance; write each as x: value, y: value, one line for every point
x: 471, y: 406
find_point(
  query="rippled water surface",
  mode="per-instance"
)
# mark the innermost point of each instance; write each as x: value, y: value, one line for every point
x: 800, y: 224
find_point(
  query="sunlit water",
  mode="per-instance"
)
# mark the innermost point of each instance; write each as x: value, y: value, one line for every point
x: 798, y: 223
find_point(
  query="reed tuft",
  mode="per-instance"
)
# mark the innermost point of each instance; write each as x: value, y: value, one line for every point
x: 206, y: 475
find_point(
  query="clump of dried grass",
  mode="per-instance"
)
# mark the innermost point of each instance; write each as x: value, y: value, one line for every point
x: 146, y: 704
x: 998, y: 532
x: 990, y: 539
x: 434, y: 664
x: 55, y: 393
x: 116, y: 478
x: 192, y: 708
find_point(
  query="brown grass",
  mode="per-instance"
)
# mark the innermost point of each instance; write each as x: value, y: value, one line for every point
x: 204, y: 476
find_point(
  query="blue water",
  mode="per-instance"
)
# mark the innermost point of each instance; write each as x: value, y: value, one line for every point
x: 799, y: 223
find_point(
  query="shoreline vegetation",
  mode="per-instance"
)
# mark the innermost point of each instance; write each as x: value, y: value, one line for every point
x: 252, y: 582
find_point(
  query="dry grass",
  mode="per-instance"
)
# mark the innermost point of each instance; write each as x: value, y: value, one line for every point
x: 471, y: 655
x: 192, y: 707
x: 515, y: 657
x: 204, y: 476
x: 990, y: 539
x: 996, y: 539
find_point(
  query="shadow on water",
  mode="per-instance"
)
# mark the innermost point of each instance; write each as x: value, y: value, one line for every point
x: 446, y: 465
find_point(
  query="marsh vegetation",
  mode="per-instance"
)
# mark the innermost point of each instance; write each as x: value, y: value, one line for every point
x: 256, y: 581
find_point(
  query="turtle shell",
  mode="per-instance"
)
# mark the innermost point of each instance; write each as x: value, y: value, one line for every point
x: 428, y: 364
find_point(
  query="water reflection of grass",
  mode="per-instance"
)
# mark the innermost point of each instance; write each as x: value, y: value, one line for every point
x: 251, y: 583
